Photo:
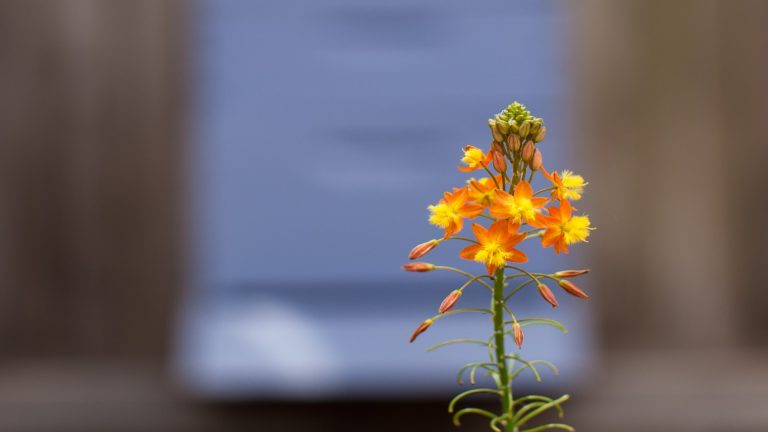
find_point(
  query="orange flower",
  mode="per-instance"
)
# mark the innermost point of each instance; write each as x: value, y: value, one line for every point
x: 496, y: 246
x: 451, y: 211
x: 475, y: 159
x: 567, y: 186
x: 520, y: 207
x: 563, y: 228
x: 422, y: 249
x: 481, y: 191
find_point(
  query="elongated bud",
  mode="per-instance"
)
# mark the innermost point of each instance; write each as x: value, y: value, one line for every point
x: 525, y: 128
x: 571, y: 273
x: 497, y: 136
x: 572, y: 289
x: 419, y: 267
x: 423, y: 249
x: 537, y: 160
x: 541, y: 135
x: 502, y: 126
x: 449, y: 301
x: 421, y: 329
x: 528, y: 150
x: 513, y: 141
x: 518, y: 333
x: 497, y: 146
x: 547, y: 294
x: 499, y: 163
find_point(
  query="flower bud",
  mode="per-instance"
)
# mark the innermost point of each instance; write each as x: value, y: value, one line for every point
x: 537, y: 160
x: 423, y: 249
x: 572, y: 289
x: 419, y: 267
x: 547, y: 294
x: 499, y: 163
x: 518, y: 332
x: 571, y: 273
x: 513, y: 141
x: 528, y: 150
x: 502, y: 126
x: 525, y: 128
x: 535, y: 127
x: 497, y: 146
x: 513, y: 127
x: 541, y: 135
x: 449, y: 301
x: 497, y: 136
x: 421, y: 329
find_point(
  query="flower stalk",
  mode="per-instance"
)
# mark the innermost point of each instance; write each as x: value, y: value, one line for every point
x: 514, y: 215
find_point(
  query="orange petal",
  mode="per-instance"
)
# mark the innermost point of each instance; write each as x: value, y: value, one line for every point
x: 469, y: 252
x: 480, y: 233
x: 523, y: 190
x: 518, y: 256
x: 498, y: 229
x: 565, y: 210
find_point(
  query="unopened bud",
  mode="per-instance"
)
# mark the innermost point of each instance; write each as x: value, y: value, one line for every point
x: 449, y: 301
x: 513, y: 126
x: 421, y: 329
x: 528, y: 150
x: 525, y: 128
x: 513, y: 141
x: 497, y: 136
x: 518, y: 333
x: 535, y: 127
x: 497, y: 146
x: 571, y: 273
x: 572, y: 289
x: 423, y: 249
x: 537, y: 160
x: 499, y: 163
x: 541, y: 135
x: 502, y: 125
x: 419, y: 267
x: 547, y: 294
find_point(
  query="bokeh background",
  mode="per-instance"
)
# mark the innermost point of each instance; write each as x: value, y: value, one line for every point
x: 204, y: 204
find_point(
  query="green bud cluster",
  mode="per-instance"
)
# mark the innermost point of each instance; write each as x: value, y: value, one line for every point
x: 516, y: 119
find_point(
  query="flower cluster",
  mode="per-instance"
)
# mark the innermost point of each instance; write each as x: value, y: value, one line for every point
x: 503, y: 197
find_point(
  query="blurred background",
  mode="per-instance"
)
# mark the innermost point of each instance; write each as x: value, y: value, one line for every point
x: 204, y: 206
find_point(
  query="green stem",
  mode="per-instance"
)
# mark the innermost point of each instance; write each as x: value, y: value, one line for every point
x: 501, y: 355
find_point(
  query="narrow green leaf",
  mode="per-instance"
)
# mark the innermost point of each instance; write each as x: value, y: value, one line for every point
x: 478, y: 411
x: 461, y: 396
x: 456, y: 341
x: 551, y: 426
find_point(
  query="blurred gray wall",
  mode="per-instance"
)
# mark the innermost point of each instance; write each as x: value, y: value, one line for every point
x: 669, y: 105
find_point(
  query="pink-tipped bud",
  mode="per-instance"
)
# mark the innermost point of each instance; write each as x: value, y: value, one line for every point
x: 513, y: 141
x: 571, y: 273
x: 528, y: 149
x: 518, y: 333
x: 423, y: 249
x: 421, y: 329
x: 547, y: 294
x: 572, y: 289
x: 499, y: 163
x: 497, y: 147
x: 537, y: 160
x: 449, y: 301
x: 419, y: 267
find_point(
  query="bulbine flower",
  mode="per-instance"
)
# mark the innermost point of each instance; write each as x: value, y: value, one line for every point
x: 451, y: 211
x: 567, y: 186
x: 520, y: 207
x: 495, y: 246
x: 482, y: 191
x: 563, y: 229
x: 475, y: 159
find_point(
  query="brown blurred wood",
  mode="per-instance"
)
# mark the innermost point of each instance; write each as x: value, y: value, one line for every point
x: 90, y: 158
x: 671, y: 99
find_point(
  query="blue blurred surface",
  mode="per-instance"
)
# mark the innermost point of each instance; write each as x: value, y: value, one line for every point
x: 323, y: 130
